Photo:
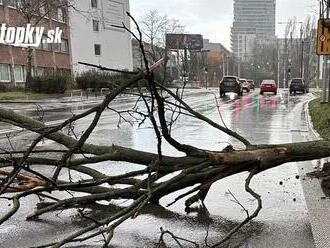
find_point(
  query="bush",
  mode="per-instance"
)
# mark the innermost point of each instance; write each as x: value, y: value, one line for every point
x: 56, y: 82
x: 4, y: 88
x: 97, y: 79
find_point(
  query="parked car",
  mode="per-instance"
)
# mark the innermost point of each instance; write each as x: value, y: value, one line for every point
x: 245, y: 85
x: 298, y: 84
x: 268, y: 85
x: 252, y: 84
x: 230, y: 84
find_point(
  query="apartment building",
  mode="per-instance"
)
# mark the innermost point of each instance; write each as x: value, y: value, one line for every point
x: 13, y: 59
x: 88, y: 36
x: 254, y: 22
x: 95, y: 40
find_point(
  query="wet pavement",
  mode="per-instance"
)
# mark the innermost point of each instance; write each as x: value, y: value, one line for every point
x: 283, y: 221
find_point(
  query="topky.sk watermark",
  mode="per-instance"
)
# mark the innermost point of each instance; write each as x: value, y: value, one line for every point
x: 29, y: 36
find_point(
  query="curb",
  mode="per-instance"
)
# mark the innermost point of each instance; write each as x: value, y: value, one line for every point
x: 317, y: 204
x: 309, y: 121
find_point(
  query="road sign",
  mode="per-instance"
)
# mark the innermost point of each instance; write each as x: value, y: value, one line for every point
x: 323, y: 37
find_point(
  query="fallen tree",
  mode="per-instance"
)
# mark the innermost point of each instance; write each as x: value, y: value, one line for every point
x: 162, y: 107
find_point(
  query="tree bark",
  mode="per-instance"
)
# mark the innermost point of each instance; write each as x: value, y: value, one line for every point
x: 29, y: 63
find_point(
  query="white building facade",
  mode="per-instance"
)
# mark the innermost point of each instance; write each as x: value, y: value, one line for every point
x: 94, y: 40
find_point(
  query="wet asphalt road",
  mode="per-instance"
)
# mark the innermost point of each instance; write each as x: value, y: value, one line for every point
x: 266, y: 119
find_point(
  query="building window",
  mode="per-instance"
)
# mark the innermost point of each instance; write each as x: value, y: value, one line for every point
x: 1, y: 2
x: 39, y: 71
x: 11, y: 3
x: 4, y: 73
x: 18, y: 4
x: 19, y: 73
x: 53, y: 12
x: 61, y: 15
x: 56, y: 47
x: 65, y: 46
x: 96, y: 26
x: 94, y: 4
x: 48, y: 46
x: 97, y: 49
x: 43, y: 45
x: 43, y: 11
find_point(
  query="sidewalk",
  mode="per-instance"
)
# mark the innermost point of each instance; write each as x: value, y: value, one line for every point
x: 318, y: 205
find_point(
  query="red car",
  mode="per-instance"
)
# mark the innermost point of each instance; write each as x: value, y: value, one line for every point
x: 268, y: 86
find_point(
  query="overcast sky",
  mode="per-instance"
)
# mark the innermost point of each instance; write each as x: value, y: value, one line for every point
x: 213, y: 18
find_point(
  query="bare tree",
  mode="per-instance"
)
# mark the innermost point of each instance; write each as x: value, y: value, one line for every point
x: 161, y: 175
x: 300, y: 46
x: 154, y: 26
x: 292, y: 56
x: 310, y: 59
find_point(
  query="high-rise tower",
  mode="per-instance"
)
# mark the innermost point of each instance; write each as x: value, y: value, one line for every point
x: 254, y: 22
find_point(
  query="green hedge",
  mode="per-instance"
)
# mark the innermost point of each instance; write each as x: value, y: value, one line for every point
x: 56, y: 82
x: 97, y: 80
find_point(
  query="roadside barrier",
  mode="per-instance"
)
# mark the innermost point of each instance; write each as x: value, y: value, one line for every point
x: 89, y: 92
x: 77, y: 91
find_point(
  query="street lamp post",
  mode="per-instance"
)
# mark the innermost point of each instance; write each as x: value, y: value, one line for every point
x: 278, y: 63
x: 302, y: 60
x: 302, y: 69
x: 302, y: 53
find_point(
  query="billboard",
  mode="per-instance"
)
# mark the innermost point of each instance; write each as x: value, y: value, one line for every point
x: 184, y: 41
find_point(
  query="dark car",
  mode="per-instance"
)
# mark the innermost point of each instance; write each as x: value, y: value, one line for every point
x: 298, y: 85
x: 245, y: 85
x: 252, y: 84
x: 230, y: 84
x: 268, y: 86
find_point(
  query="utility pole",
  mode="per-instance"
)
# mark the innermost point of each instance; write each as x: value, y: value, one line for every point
x: 302, y: 60
x: 223, y: 65
x: 239, y: 63
x: 327, y: 57
x: 318, y: 72
x: 185, y: 57
x: 239, y: 57
x: 302, y: 53
x: 285, y: 60
x: 325, y: 67
x: 325, y: 9
x: 278, y: 62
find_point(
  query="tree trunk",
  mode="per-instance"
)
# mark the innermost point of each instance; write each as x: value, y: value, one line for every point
x: 28, y: 80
